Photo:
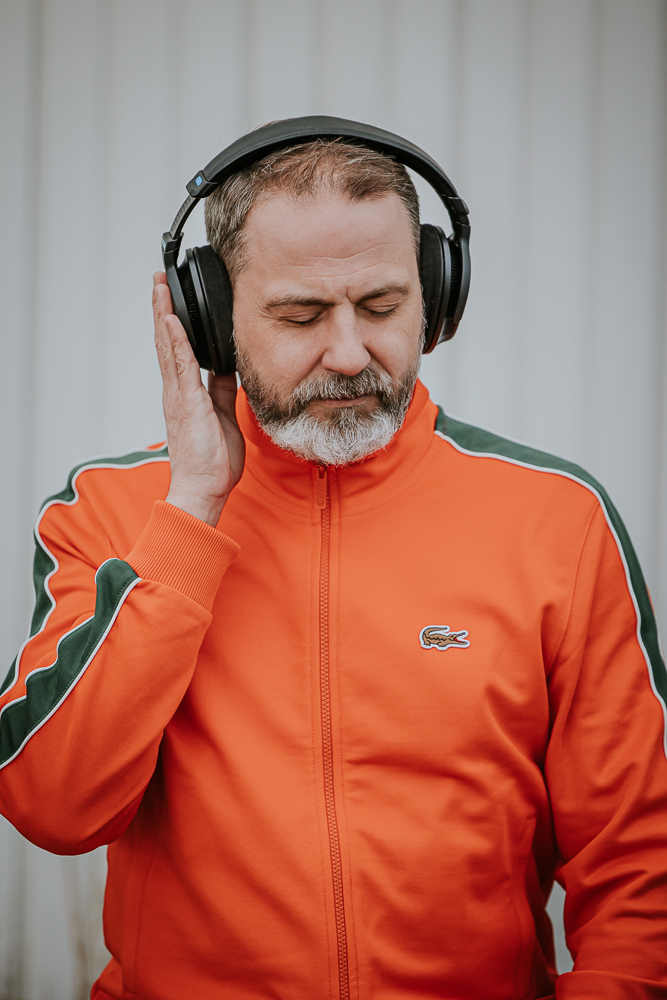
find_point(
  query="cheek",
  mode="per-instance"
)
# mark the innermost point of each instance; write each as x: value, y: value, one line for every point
x: 395, y: 348
x: 280, y: 358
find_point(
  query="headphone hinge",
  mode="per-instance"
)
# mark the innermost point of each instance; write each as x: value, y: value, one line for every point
x: 458, y: 205
x: 199, y: 186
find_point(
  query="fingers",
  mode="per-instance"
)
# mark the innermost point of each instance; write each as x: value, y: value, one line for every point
x: 187, y: 369
x: 162, y: 305
x: 179, y: 368
x: 163, y: 345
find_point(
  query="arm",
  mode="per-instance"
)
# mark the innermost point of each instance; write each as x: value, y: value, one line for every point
x: 607, y: 773
x: 115, y: 635
x: 85, y: 704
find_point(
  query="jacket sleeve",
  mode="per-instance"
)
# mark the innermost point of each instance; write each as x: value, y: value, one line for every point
x: 113, y: 646
x: 606, y: 770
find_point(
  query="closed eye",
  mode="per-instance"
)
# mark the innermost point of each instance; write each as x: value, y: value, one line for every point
x: 381, y: 310
x: 307, y: 321
x: 378, y: 312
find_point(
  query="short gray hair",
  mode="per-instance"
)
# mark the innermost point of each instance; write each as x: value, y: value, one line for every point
x: 333, y: 164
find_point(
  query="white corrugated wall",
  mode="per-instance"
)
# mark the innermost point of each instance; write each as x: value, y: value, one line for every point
x: 549, y: 115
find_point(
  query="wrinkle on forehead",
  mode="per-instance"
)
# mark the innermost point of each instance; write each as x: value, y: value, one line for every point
x: 356, y: 285
x: 328, y: 232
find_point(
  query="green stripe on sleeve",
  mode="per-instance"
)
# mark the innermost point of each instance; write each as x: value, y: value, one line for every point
x: 44, y: 562
x: 47, y: 687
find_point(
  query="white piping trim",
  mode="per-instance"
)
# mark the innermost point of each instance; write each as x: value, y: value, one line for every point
x: 76, y: 680
x: 93, y: 464
x: 628, y: 580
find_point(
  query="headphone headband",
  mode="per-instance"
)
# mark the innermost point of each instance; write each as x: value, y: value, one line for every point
x: 280, y: 135
x: 256, y: 145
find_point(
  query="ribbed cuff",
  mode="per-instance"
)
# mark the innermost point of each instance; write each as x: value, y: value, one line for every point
x: 182, y: 552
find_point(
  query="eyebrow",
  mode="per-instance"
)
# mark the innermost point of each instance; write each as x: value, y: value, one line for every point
x: 393, y: 288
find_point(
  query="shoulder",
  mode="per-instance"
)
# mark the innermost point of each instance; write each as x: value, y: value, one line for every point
x: 555, y: 497
x: 141, y: 465
x: 104, y: 480
x: 111, y: 496
x: 521, y: 466
x: 532, y: 490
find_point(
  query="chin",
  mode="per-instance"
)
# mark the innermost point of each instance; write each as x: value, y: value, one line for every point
x: 346, y: 436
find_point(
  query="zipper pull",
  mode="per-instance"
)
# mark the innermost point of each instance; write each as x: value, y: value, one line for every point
x: 321, y: 487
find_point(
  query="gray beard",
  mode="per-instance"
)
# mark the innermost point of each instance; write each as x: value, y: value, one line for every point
x: 348, y: 434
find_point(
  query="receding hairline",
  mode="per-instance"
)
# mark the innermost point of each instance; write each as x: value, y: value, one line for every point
x: 321, y: 193
x: 303, y: 171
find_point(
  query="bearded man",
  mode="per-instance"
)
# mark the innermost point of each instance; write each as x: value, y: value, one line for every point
x: 346, y: 701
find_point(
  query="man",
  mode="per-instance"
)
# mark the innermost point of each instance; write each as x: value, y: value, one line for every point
x: 347, y: 699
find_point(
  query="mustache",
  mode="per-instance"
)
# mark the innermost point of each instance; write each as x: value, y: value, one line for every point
x: 338, y: 386
x: 271, y: 408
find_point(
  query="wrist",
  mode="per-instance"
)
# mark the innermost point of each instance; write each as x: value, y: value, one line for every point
x: 207, y: 509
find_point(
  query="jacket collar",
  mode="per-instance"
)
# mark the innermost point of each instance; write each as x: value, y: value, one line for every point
x: 293, y: 480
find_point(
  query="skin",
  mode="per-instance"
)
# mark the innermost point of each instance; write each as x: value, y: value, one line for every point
x: 330, y: 286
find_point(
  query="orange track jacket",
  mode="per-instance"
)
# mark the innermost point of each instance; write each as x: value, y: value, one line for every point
x: 341, y: 744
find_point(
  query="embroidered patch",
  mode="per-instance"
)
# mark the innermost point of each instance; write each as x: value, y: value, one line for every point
x: 440, y: 637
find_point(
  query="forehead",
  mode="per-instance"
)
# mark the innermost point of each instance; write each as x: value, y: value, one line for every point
x: 328, y: 231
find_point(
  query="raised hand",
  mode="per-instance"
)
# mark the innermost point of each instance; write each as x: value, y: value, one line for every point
x: 206, y: 447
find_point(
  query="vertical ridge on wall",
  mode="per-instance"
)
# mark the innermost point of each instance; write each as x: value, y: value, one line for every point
x: 19, y: 126
x: 20, y: 74
x: 66, y: 259
x: 660, y: 580
x: 629, y: 266
x: 561, y: 120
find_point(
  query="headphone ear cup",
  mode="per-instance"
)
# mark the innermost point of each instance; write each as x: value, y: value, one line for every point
x: 217, y: 311
x: 435, y: 273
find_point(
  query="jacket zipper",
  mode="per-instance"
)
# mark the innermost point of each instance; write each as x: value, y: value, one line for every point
x: 323, y: 503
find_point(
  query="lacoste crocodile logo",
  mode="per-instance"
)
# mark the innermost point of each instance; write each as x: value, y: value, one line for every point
x: 440, y: 637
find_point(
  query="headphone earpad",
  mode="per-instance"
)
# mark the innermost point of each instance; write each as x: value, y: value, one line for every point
x: 184, y: 286
x: 435, y: 273
x: 217, y: 316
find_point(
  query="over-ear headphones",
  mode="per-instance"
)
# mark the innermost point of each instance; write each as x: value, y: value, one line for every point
x: 200, y: 288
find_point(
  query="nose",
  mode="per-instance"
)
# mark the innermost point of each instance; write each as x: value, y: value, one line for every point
x: 345, y: 350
